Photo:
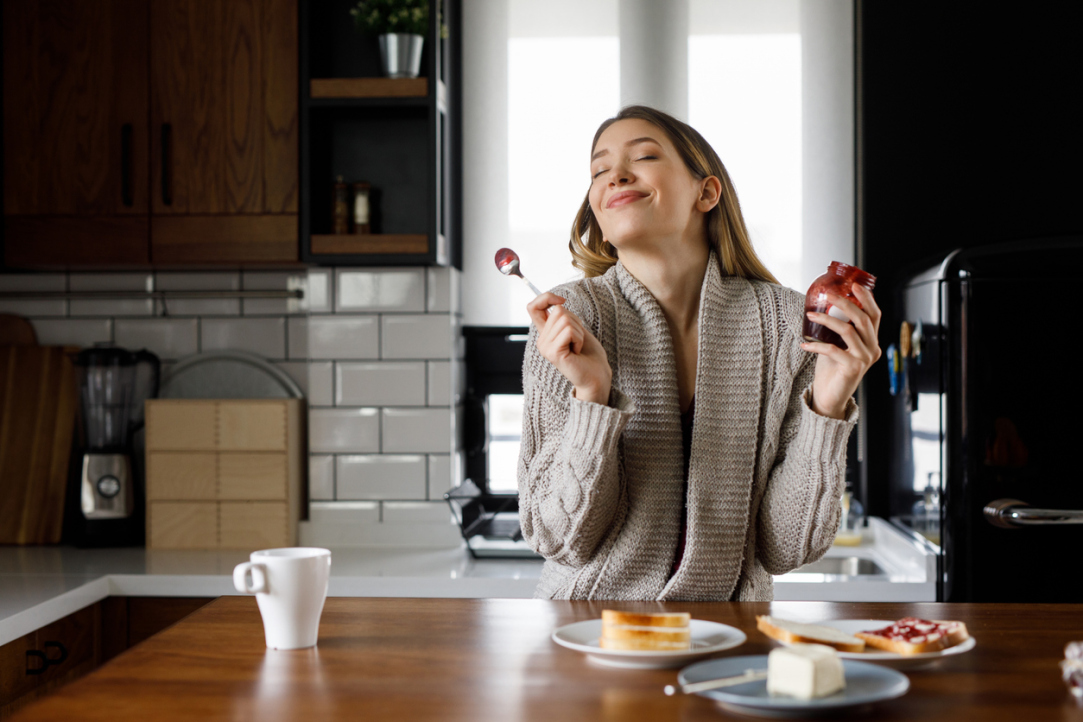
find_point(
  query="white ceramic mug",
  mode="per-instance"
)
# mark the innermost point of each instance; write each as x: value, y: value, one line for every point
x: 290, y: 587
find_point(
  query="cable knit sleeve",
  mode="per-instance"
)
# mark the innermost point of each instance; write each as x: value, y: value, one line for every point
x: 801, y: 507
x: 569, y: 479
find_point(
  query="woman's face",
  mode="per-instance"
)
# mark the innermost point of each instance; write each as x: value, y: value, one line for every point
x: 641, y: 192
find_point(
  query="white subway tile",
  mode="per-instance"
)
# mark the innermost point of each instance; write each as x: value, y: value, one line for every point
x: 169, y: 338
x: 12, y: 282
x: 439, y: 383
x: 380, y: 476
x: 344, y: 430
x: 272, y: 281
x: 264, y: 337
x: 111, y: 282
x: 319, y: 293
x: 33, y: 308
x: 444, y: 290
x: 191, y: 281
x: 344, y: 512
x: 335, y: 337
x: 417, y: 512
x: 417, y: 430
x: 321, y: 383
x: 196, y: 281
x: 112, y: 307
x: 379, y: 289
x: 380, y: 383
x: 321, y: 477
x: 440, y: 476
x: 416, y: 337
x: 73, y: 331
x: 297, y: 371
x: 33, y: 282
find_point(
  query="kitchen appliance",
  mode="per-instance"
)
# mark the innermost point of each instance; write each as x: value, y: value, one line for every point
x: 105, y: 504
x: 985, y: 420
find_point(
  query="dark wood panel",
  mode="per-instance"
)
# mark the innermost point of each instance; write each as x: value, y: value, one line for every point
x: 74, y: 75
x: 369, y: 87
x: 149, y: 615
x: 224, y: 81
x: 281, y: 174
x: 227, y: 238
x: 369, y: 243
x: 493, y: 659
x: 71, y: 241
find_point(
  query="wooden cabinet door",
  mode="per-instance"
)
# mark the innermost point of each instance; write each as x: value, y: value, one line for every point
x: 224, y: 134
x: 75, y: 132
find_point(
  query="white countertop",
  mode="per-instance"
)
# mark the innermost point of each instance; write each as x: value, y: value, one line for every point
x: 39, y: 585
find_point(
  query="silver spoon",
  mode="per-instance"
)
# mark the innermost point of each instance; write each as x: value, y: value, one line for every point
x: 507, y: 262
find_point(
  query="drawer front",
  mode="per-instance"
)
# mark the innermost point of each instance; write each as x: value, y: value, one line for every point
x: 252, y: 476
x: 14, y: 680
x: 252, y: 426
x: 181, y: 425
x: 182, y: 524
x: 181, y: 476
x: 254, y: 525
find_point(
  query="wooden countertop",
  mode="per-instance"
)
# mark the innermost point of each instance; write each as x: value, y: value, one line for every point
x: 478, y: 659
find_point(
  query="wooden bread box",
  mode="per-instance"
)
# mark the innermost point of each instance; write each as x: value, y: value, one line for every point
x: 223, y: 474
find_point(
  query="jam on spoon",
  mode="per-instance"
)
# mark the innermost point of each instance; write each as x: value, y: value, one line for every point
x: 507, y: 262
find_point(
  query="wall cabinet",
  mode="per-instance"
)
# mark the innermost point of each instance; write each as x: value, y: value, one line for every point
x: 150, y: 131
x: 400, y: 135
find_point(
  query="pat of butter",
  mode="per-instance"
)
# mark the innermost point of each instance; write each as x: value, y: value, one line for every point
x: 805, y: 671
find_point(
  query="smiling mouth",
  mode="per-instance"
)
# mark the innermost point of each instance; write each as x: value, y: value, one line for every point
x: 622, y: 199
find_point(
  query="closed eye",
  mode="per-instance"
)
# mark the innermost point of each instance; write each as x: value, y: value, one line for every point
x: 648, y: 157
x: 598, y: 173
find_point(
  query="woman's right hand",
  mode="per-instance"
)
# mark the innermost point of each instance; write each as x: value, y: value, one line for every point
x: 566, y: 343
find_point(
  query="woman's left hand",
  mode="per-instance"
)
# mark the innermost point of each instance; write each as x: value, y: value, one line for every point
x: 839, y: 371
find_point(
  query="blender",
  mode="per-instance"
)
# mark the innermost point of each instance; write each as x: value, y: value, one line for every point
x: 105, y: 505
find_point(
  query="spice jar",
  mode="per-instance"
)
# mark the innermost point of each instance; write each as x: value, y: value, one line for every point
x: 839, y: 281
x: 340, y: 207
x: 361, y: 208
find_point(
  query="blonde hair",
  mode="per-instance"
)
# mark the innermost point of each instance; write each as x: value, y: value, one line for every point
x: 726, y: 231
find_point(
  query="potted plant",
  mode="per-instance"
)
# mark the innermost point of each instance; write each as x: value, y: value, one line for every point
x: 401, y: 26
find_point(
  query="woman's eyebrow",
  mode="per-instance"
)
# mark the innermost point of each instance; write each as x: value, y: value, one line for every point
x: 636, y: 141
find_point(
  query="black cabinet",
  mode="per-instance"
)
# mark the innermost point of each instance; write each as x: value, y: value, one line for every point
x: 402, y: 136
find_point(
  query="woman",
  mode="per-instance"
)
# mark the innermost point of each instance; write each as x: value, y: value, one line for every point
x: 680, y: 442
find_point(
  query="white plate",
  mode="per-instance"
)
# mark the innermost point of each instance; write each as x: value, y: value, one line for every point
x: 891, y: 659
x: 865, y: 684
x: 707, y: 638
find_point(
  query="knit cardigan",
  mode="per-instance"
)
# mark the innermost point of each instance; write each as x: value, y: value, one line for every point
x: 600, y: 486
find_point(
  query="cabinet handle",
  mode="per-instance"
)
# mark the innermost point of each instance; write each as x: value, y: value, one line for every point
x: 126, y: 165
x: 45, y: 661
x: 167, y: 164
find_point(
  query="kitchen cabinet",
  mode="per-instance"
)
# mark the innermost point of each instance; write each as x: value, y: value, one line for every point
x: 150, y: 131
x: 75, y: 132
x: 400, y: 135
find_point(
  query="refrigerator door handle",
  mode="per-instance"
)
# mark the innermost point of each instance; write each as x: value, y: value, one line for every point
x: 1012, y: 514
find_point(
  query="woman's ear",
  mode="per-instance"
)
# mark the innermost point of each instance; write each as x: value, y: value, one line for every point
x: 709, y: 193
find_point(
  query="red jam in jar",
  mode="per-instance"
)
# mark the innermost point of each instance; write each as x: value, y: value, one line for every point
x: 839, y: 281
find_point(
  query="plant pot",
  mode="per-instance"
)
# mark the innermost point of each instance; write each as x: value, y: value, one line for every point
x: 400, y: 54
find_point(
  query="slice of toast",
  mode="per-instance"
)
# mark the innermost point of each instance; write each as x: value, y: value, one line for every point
x: 665, y: 631
x: 908, y: 636
x: 955, y: 632
x: 791, y: 632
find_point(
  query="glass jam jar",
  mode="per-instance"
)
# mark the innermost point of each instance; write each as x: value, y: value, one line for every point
x: 839, y: 281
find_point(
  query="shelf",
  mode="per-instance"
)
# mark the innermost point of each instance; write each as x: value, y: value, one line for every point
x: 355, y: 244
x: 369, y: 87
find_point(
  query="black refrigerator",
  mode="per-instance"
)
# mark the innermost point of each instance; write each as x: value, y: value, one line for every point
x: 987, y: 438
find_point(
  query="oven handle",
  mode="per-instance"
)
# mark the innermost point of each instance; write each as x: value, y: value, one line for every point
x: 1012, y: 514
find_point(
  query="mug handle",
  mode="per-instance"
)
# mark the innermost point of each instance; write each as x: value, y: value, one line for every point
x: 259, y: 578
